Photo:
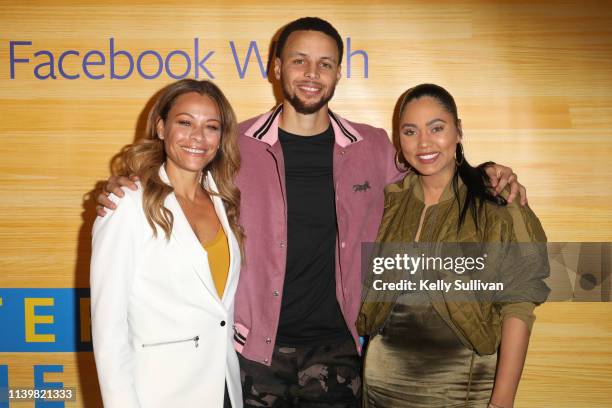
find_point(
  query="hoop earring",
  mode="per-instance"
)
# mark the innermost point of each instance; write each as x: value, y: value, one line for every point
x: 399, y: 164
x: 459, y: 157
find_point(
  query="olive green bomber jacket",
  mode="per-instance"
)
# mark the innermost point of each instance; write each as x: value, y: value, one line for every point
x: 476, y: 323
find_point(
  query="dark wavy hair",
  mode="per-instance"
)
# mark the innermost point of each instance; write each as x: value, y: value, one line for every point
x: 474, y: 178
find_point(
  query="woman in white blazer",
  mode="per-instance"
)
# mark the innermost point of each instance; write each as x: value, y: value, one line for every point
x: 162, y: 304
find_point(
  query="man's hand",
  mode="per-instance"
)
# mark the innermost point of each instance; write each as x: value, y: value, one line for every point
x: 114, y: 186
x: 501, y: 176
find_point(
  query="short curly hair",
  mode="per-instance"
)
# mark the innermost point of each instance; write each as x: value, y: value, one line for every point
x: 309, y: 24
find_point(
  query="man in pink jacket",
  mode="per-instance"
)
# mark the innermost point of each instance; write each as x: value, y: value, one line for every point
x: 311, y: 192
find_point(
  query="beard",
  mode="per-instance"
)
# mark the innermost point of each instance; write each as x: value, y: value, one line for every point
x: 303, y: 107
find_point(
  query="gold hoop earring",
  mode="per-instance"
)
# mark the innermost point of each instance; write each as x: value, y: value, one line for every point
x: 459, y: 152
x: 401, y: 166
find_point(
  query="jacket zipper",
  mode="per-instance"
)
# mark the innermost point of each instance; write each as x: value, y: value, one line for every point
x: 195, y: 339
x: 414, y: 242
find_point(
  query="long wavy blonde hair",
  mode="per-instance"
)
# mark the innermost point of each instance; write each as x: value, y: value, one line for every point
x: 146, y: 155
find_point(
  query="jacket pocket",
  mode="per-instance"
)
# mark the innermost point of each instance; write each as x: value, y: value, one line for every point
x: 194, y: 339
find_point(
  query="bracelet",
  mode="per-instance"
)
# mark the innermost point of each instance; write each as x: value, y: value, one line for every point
x: 492, y: 405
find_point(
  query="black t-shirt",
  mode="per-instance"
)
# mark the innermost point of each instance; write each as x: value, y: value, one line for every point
x: 310, y: 314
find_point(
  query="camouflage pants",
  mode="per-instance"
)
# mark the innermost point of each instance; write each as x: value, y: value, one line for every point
x: 304, y: 377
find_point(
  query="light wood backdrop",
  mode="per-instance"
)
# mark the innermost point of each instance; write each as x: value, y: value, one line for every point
x: 533, y: 81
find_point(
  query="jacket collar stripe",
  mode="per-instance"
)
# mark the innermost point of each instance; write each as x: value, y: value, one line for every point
x: 346, y: 133
x: 266, y: 126
x: 259, y: 133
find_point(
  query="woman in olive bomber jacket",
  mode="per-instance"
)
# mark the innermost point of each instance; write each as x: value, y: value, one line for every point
x: 436, y: 348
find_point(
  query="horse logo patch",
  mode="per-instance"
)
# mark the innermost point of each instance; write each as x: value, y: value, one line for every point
x: 361, y: 187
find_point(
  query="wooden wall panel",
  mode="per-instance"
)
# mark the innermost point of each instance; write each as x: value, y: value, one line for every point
x: 532, y: 80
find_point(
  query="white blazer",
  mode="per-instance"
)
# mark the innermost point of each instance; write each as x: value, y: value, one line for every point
x: 162, y: 337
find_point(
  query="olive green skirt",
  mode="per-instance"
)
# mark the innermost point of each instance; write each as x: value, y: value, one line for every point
x: 417, y: 361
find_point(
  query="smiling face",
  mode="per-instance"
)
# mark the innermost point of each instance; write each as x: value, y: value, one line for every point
x: 429, y: 137
x: 191, y: 133
x: 308, y: 70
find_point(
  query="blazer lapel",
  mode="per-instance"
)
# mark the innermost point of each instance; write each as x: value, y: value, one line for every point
x: 234, y: 249
x: 183, y: 235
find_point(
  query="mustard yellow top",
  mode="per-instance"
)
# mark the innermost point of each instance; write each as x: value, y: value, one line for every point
x: 218, y: 259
